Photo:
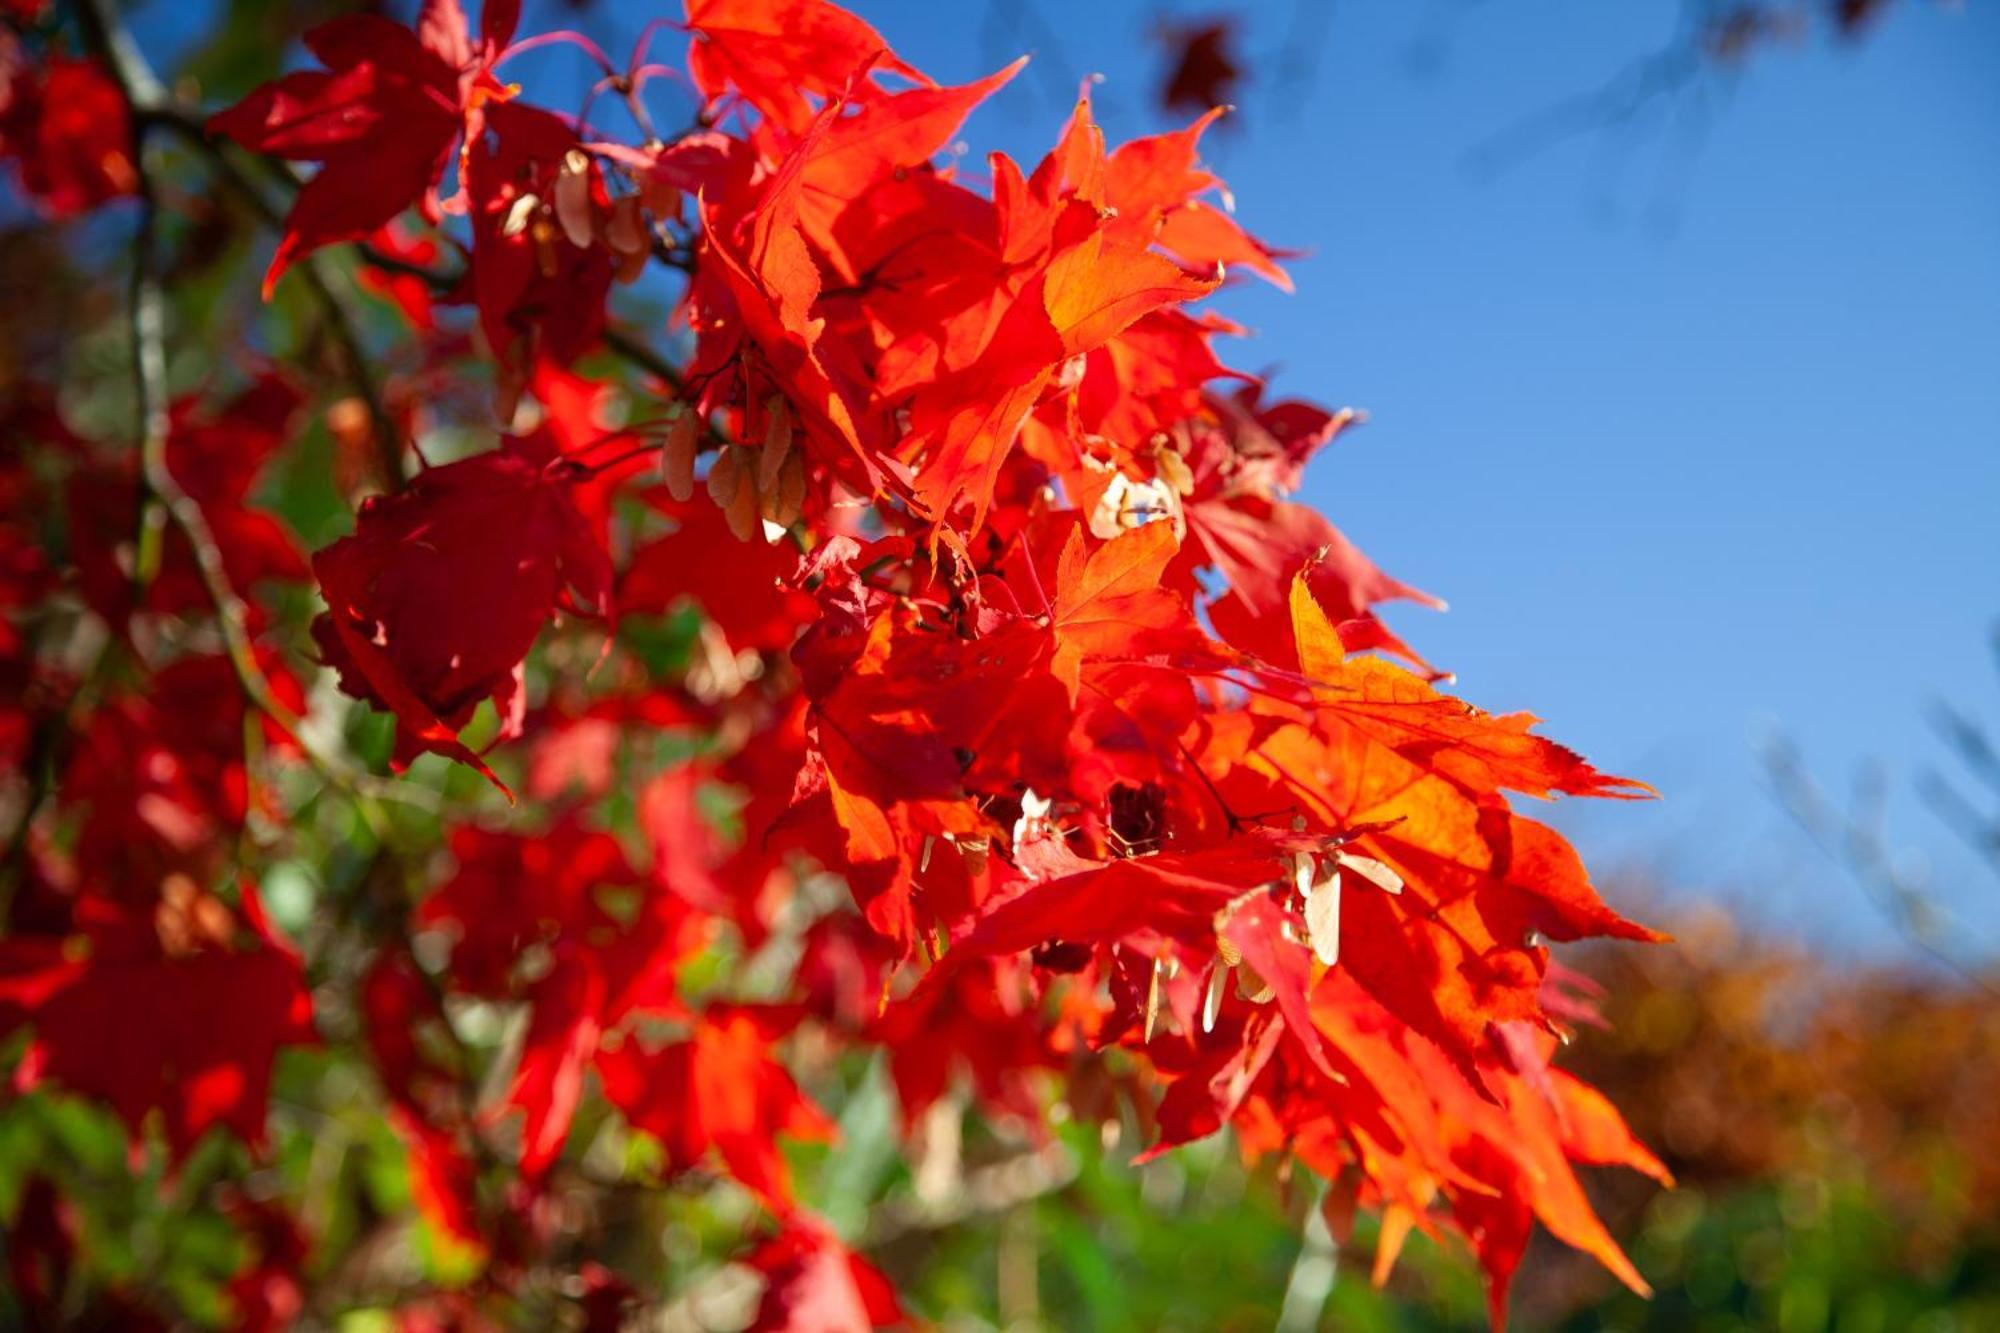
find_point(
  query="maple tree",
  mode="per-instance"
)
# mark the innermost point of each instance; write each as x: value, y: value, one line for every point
x: 922, y: 655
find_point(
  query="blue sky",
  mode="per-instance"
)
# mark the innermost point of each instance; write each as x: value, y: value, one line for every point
x: 1693, y: 420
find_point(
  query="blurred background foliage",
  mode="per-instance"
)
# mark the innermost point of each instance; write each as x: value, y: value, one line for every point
x: 1831, y: 1128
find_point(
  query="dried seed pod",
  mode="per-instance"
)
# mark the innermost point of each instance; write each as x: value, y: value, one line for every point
x: 509, y: 384
x: 1371, y: 870
x: 734, y: 491
x: 1071, y: 374
x: 1211, y: 1003
x: 188, y: 918
x: 350, y: 423
x: 544, y: 233
x: 1305, y: 871
x: 572, y: 199
x: 1152, y: 1002
x: 724, y: 479
x: 742, y: 511
x: 1323, y: 919
x: 518, y: 213
x: 792, y: 489
x: 677, y: 452
x: 625, y: 230
x: 777, y: 443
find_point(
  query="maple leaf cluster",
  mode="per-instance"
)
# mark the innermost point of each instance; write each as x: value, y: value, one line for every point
x: 1055, y: 735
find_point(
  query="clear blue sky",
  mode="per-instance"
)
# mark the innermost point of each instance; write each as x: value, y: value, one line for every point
x: 1695, y: 426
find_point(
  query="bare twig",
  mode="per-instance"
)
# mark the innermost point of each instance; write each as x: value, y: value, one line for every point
x: 1966, y: 738
x: 171, y: 501
x: 111, y: 39
x: 388, y: 443
x: 163, y: 499
x: 1979, y: 830
x: 1615, y: 103
x: 631, y: 349
x: 998, y: 1187
x: 1307, y: 37
x: 1313, y: 1274
x: 1855, y: 841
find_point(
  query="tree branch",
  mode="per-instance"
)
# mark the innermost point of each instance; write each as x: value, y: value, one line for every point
x: 165, y: 500
x: 343, y: 322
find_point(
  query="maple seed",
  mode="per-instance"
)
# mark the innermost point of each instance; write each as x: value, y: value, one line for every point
x: 1371, y: 870
x: 572, y: 199
x: 777, y: 443
x: 518, y: 213
x: 1323, y: 918
x: 1211, y: 1003
x: 1152, y: 1001
x: 734, y: 490
x: 188, y: 919
x: 632, y: 267
x: 677, y: 452
x: 625, y: 233
x: 662, y: 200
x: 786, y: 507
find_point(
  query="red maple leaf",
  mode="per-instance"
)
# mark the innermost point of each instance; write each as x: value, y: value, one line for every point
x: 719, y: 1090
x: 443, y: 588
x: 815, y: 1284
x: 380, y: 118
x: 776, y: 54
x: 533, y: 919
x: 185, y: 1018
x: 65, y: 130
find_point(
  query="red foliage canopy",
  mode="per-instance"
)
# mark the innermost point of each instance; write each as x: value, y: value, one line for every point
x: 1007, y: 621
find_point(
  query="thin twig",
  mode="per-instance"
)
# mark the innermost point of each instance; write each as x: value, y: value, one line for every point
x: 163, y: 499
x: 1850, y: 843
x: 341, y: 320
x: 388, y: 443
x: 1313, y: 1275
x: 169, y: 499
x: 625, y: 345
x: 994, y: 1188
